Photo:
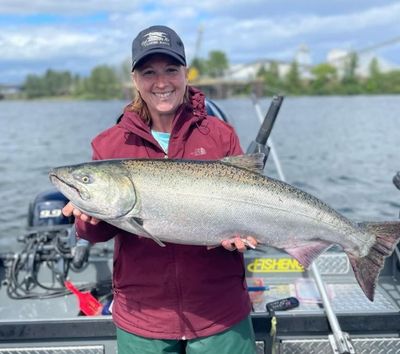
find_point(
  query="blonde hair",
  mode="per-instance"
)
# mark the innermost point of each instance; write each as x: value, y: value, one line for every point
x: 139, y: 106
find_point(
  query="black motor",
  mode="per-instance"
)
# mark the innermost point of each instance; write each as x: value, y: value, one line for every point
x: 45, y: 210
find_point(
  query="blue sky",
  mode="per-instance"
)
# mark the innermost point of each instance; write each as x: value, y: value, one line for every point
x: 77, y: 35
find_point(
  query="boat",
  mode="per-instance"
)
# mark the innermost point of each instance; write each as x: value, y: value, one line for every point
x: 320, y: 310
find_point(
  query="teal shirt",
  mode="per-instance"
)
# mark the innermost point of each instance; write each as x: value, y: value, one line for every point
x: 162, y: 138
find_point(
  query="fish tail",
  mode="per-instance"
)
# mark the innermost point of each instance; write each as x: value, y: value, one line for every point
x: 366, y: 269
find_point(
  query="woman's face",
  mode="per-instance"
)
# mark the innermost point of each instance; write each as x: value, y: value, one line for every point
x: 161, y: 83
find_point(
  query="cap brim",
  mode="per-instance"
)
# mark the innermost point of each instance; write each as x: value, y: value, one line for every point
x: 158, y: 51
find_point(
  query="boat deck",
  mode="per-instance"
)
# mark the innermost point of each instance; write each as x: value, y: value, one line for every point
x: 53, y: 325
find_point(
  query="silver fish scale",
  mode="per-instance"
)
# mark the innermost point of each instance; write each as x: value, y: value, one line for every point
x: 81, y: 349
x: 377, y: 345
x: 180, y: 201
x: 185, y: 199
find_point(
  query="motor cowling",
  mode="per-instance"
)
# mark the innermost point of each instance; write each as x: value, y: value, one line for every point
x: 46, y: 209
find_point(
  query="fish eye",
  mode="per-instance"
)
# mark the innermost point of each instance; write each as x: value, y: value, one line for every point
x: 85, y: 179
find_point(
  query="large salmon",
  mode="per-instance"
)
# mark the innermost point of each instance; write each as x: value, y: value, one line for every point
x: 204, y: 202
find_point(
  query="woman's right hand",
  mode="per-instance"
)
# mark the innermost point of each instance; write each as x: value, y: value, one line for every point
x: 70, y: 209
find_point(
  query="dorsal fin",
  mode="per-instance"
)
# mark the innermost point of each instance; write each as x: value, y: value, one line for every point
x: 251, y: 162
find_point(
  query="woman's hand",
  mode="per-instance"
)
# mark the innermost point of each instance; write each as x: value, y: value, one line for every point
x: 70, y: 209
x: 239, y: 243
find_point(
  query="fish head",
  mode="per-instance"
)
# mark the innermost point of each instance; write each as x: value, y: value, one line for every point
x: 101, y: 189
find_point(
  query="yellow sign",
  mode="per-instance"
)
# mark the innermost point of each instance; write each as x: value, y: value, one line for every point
x: 275, y: 265
x: 193, y: 74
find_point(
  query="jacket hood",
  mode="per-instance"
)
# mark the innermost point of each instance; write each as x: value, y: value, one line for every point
x: 187, y: 115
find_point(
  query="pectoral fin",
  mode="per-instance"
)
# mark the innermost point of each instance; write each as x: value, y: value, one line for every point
x: 135, y: 226
x: 138, y: 224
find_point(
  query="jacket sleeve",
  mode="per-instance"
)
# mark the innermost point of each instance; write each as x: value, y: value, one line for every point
x: 101, y: 232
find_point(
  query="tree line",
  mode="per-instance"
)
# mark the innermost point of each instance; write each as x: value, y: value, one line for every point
x: 325, y: 79
x: 106, y: 82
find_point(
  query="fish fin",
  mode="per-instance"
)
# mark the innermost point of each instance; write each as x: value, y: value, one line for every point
x: 366, y: 269
x: 135, y: 225
x: 251, y: 162
x: 307, y: 253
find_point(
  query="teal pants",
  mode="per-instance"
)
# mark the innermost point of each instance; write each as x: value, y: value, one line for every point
x: 239, y: 339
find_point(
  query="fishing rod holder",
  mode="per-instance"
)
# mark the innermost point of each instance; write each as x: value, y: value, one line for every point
x: 259, y: 145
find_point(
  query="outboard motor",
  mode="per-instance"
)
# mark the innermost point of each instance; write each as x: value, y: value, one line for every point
x: 46, y: 208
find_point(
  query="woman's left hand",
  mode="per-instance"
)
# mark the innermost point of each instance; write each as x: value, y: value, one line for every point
x: 239, y: 243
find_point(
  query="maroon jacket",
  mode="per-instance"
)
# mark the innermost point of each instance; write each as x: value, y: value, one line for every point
x: 177, y: 291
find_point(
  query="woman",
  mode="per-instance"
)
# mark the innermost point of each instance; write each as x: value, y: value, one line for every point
x: 178, y: 298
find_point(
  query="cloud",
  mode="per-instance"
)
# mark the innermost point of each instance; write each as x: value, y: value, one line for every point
x: 74, y: 34
x: 64, y: 7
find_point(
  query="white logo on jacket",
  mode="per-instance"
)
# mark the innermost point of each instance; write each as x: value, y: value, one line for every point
x: 199, y: 151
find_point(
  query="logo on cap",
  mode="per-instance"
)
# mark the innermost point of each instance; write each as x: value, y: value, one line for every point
x: 155, y: 38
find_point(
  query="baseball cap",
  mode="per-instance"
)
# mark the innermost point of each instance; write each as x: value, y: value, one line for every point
x: 157, y: 40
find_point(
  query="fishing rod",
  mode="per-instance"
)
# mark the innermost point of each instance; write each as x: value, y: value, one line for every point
x: 340, y: 341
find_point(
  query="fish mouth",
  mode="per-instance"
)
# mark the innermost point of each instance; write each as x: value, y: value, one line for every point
x: 56, y: 180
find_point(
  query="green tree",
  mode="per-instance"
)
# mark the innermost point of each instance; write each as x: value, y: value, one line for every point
x: 292, y: 80
x: 34, y: 86
x: 217, y: 63
x: 325, y: 78
x: 374, y: 83
x: 52, y: 83
x: 103, y: 83
x: 350, y: 83
x: 272, y: 81
x: 391, y: 82
x: 57, y: 83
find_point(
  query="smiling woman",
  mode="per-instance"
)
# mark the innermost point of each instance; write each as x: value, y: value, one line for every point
x: 179, y: 307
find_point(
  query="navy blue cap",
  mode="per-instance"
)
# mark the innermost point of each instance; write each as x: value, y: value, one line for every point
x: 157, y: 40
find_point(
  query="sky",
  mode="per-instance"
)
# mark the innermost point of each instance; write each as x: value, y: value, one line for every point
x: 76, y: 35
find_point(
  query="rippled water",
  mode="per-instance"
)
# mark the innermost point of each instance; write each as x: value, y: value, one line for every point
x: 344, y: 150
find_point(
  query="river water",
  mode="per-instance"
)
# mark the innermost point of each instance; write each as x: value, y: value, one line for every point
x: 343, y: 150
